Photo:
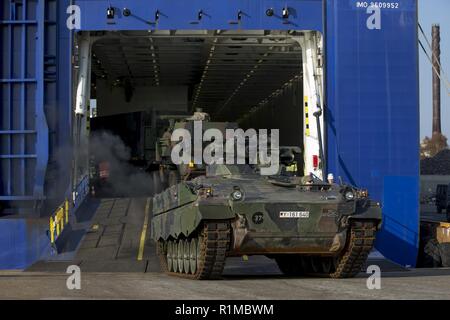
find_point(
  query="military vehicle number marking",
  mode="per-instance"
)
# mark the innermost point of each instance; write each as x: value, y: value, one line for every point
x: 294, y: 214
x: 258, y: 218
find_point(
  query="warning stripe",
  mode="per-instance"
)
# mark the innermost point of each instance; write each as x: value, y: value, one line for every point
x: 144, y: 231
x: 307, y: 130
x: 58, y: 221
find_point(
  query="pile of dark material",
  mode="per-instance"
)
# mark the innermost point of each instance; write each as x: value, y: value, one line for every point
x: 438, y: 165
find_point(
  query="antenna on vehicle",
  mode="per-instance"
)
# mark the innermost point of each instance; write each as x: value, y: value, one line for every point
x: 317, y: 114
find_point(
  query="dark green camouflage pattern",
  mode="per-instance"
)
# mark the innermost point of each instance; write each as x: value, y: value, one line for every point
x: 275, y: 214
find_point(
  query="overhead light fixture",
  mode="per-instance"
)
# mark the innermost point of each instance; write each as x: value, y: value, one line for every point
x: 110, y: 13
x: 126, y: 12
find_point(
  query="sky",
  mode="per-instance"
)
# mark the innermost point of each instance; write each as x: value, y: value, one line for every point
x: 434, y: 11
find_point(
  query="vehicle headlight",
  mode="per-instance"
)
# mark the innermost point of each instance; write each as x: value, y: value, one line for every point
x: 237, y: 195
x: 349, y: 195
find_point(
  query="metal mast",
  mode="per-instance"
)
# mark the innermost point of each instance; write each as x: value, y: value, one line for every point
x: 436, y: 42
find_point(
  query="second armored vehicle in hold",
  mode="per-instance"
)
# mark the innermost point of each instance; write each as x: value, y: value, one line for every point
x: 164, y: 172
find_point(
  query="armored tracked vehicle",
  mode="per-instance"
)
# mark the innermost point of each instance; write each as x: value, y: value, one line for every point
x: 308, y: 226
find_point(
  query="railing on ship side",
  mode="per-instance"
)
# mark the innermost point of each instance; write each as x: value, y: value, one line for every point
x: 58, y: 221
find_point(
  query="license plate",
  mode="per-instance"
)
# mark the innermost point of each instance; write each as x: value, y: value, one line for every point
x: 294, y: 214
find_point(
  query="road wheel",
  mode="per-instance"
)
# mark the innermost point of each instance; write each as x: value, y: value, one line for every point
x: 432, y: 254
x: 161, y: 250
x: 444, y: 249
x: 201, y: 257
x: 169, y: 256
x: 290, y: 265
x: 180, y: 256
x: 328, y: 264
x: 186, y: 256
x: 193, y: 256
x: 175, y: 257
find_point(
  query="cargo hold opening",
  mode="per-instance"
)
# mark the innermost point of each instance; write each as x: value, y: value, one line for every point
x: 139, y: 81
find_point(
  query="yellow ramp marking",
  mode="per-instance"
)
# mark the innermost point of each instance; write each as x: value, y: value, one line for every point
x: 144, y: 231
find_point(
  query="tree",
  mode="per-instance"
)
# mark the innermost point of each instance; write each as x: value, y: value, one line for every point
x: 430, y: 147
